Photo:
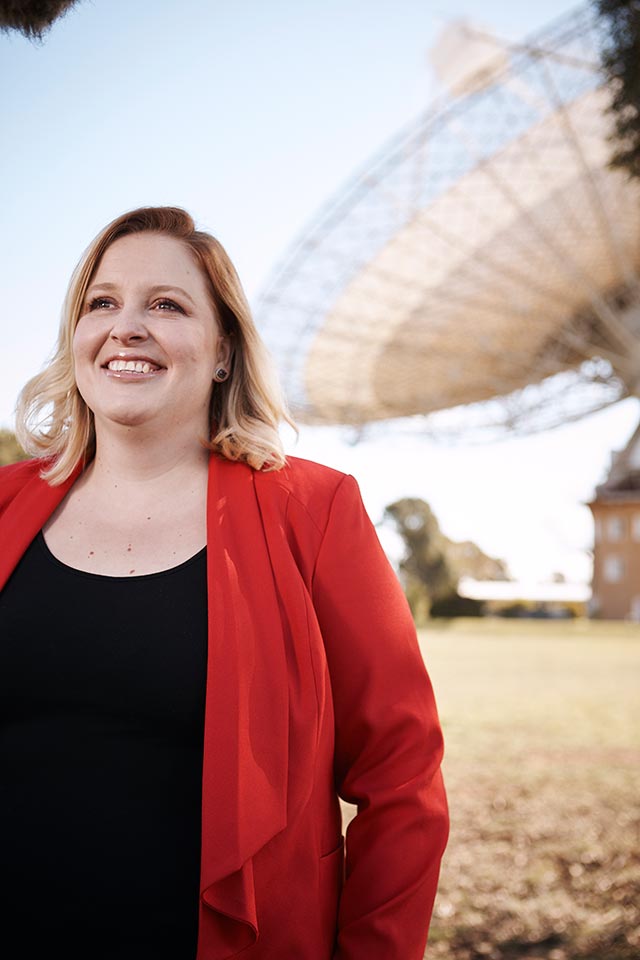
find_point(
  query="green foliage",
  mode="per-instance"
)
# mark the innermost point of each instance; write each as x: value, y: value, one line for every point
x: 517, y: 609
x: 621, y: 64
x: 32, y: 18
x: 456, y: 606
x: 433, y: 564
x: 10, y: 449
x: 425, y: 570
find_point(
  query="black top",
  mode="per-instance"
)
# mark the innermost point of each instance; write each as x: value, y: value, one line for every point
x: 102, y: 691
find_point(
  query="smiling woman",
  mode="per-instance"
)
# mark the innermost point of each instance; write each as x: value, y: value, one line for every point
x: 219, y: 651
x: 149, y: 322
x: 245, y: 412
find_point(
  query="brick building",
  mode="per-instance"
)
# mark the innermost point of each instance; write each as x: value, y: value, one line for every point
x: 615, y: 592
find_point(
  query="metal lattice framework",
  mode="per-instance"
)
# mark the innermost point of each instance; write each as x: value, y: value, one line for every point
x: 483, y: 271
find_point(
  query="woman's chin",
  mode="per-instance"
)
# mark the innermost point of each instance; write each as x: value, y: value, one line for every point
x: 153, y: 420
x: 126, y: 418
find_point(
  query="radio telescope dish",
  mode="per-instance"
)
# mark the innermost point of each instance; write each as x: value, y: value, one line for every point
x: 483, y: 270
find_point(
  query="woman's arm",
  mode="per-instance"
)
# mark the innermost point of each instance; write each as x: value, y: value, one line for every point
x: 388, y: 742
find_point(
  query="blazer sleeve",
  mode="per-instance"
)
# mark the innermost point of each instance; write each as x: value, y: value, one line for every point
x: 389, y: 742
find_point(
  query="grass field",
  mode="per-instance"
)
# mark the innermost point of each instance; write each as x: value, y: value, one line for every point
x: 542, y: 730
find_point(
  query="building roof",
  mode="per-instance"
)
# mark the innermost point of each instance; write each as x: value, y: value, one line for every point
x: 624, y: 472
x: 523, y: 590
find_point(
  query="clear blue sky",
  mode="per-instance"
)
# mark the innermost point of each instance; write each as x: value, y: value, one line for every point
x: 251, y: 114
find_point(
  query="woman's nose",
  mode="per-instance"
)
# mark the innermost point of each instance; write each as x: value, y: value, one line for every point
x: 128, y: 326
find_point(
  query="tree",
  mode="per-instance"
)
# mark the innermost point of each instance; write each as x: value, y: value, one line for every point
x: 10, y: 449
x: 32, y: 18
x: 433, y: 564
x: 621, y: 64
x: 425, y: 571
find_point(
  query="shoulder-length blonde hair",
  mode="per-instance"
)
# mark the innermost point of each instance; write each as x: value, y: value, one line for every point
x: 53, y: 421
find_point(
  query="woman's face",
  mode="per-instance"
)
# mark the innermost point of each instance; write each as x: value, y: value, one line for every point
x: 147, y: 343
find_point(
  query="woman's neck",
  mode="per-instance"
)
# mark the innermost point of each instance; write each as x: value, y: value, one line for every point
x: 137, y: 508
x: 129, y: 460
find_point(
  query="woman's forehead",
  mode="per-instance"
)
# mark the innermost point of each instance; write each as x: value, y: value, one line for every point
x: 151, y: 258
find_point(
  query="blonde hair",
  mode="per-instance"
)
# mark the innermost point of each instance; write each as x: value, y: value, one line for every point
x: 52, y: 419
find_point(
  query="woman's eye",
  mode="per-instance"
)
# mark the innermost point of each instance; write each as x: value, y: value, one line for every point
x: 104, y: 303
x: 165, y: 304
x: 100, y: 303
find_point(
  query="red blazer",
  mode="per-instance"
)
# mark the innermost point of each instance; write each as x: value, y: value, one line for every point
x: 316, y: 689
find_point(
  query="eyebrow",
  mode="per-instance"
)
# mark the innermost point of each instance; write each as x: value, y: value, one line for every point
x: 157, y: 288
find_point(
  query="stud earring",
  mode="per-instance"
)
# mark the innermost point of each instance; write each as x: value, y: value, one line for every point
x: 221, y: 374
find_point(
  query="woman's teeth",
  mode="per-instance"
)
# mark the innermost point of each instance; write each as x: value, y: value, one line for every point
x: 135, y: 366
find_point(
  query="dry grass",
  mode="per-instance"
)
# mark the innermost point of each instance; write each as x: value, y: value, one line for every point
x: 542, y: 730
x: 542, y: 726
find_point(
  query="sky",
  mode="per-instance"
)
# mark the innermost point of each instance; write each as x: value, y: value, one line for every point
x: 252, y: 115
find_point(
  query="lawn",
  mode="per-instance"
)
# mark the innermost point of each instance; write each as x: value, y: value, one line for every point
x: 542, y: 730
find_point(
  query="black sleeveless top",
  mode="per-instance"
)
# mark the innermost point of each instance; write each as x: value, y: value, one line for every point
x: 102, y: 690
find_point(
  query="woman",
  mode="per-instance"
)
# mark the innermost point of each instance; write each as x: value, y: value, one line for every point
x: 204, y: 647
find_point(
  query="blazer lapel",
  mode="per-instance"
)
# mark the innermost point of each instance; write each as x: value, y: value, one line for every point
x: 25, y: 516
x: 245, y: 767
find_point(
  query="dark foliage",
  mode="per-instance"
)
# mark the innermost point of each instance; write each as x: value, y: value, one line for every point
x: 621, y: 63
x: 425, y: 570
x: 32, y: 18
x: 433, y: 564
x: 10, y: 449
x: 456, y: 606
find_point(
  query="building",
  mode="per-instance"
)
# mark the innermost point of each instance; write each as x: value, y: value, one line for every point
x: 528, y: 599
x: 615, y: 593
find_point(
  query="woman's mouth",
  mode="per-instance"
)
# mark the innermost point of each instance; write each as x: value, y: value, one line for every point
x: 132, y: 369
x: 133, y: 366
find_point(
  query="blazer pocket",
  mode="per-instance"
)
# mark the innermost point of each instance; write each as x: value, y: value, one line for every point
x: 335, y: 851
x: 331, y: 879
